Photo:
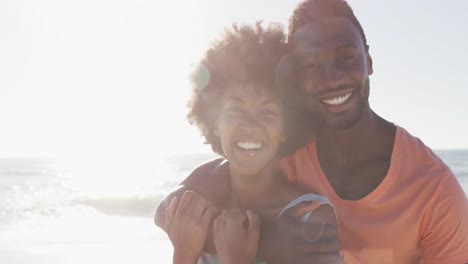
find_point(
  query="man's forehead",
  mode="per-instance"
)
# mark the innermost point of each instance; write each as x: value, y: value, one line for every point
x: 327, y: 32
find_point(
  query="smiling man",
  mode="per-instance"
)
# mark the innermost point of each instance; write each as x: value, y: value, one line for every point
x: 396, y: 201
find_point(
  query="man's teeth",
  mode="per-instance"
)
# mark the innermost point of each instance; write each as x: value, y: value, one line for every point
x: 249, y: 145
x: 337, y: 100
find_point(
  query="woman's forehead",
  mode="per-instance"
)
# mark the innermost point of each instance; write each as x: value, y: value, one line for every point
x: 250, y: 89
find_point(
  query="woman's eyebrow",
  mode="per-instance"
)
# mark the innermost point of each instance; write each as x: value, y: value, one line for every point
x: 234, y: 99
x: 269, y: 101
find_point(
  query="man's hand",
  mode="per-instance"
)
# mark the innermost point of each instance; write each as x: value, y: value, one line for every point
x: 288, y: 240
x: 236, y: 236
x: 187, y: 225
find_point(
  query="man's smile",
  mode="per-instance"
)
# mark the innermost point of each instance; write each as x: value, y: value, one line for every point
x: 337, y: 100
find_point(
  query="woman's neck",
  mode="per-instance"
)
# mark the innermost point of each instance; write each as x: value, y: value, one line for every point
x: 249, y: 191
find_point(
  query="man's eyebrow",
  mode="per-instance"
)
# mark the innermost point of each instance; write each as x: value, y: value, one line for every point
x: 346, y: 46
x: 267, y: 102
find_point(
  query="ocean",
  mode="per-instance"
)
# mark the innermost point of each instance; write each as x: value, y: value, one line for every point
x: 64, y: 212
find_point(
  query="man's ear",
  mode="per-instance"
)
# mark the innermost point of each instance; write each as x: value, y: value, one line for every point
x: 370, y: 67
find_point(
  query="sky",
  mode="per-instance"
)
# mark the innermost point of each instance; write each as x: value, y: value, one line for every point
x: 101, y: 78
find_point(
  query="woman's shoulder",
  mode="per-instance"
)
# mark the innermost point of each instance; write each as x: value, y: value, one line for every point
x: 280, y: 197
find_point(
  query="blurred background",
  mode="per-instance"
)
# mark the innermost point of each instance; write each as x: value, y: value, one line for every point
x: 92, y: 110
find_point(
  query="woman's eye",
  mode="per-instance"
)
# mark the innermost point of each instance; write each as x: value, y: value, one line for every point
x: 233, y: 111
x: 269, y: 113
x: 231, y: 108
x: 310, y: 68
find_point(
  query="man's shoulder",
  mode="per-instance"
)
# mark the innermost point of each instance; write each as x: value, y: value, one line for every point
x: 208, y: 170
x: 410, y: 146
x: 212, y: 166
x: 210, y: 179
x: 413, y: 154
x: 305, y: 151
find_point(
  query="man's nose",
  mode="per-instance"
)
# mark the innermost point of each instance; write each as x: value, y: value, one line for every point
x: 328, y: 77
x: 331, y: 77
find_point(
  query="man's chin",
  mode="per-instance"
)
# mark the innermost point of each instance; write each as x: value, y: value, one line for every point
x: 341, y: 122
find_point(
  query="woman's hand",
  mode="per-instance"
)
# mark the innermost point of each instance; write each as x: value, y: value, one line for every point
x: 187, y: 223
x: 236, y: 236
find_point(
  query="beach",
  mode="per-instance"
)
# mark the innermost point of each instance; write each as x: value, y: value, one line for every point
x: 53, y: 215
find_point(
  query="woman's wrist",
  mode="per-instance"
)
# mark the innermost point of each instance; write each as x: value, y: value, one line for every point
x: 239, y: 260
x: 262, y: 250
x: 181, y: 257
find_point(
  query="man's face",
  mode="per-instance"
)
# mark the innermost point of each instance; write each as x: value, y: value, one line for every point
x: 333, y: 71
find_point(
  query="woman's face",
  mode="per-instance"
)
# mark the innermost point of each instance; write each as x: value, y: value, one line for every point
x: 251, y: 127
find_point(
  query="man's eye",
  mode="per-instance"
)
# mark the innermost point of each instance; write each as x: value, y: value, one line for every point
x: 268, y: 112
x: 345, y: 59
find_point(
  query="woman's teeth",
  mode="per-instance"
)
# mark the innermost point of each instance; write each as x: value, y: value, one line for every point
x: 337, y: 100
x: 249, y: 145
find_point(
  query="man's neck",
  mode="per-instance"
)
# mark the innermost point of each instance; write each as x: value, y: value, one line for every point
x: 356, y: 160
x: 370, y: 135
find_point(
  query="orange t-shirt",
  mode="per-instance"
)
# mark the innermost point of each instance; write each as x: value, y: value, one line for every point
x: 418, y: 213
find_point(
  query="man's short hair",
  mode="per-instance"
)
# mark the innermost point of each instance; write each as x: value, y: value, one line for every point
x: 311, y: 10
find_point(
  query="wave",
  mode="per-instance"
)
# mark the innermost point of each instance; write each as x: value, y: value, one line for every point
x: 133, y: 206
x: 15, y: 211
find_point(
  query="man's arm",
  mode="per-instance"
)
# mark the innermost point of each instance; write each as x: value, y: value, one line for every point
x: 279, y: 241
x: 288, y: 239
x: 210, y: 180
x: 160, y: 216
x: 444, y: 228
